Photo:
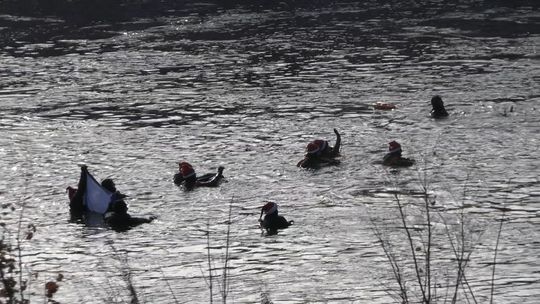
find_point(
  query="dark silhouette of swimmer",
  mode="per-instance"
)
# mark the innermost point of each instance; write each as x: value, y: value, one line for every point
x: 325, y: 150
x: 272, y: 221
x: 394, y: 159
x: 116, y: 215
x: 76, y: 195
x: 319, y: 153
x: 311, y: 160
x: 438, y: 110
x: 188, y: 178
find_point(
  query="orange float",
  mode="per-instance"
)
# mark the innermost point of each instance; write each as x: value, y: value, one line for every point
x: 384, y: 106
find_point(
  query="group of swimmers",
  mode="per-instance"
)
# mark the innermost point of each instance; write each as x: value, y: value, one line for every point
x: 116, y: 215
x: 318, y: 153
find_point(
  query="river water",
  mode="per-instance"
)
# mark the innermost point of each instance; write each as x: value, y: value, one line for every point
x: 248, y: 89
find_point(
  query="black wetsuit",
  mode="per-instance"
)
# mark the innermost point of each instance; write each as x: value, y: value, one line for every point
x: 207, y: 180
x: 439, y: 112
x: 394, y: 159
x: 310, y: 161
x: 314, y: 162
x: 178, y: 179
x: 117, y: 216
x: 272, y: 222
x: 76, y: 203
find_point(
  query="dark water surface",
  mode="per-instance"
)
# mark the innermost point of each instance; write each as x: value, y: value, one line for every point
x: 247, y: 89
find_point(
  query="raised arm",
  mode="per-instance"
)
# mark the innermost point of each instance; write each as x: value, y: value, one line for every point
x: 260, y: 217
x: 337, y: 146
x: 77, y: 200
x: 214, y: 181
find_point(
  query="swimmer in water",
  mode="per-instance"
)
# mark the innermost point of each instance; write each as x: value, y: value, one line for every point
x: 272, y: 221
x: 394, y: 159
x: 187, y: 177
x: 320, y: 153
x: 438, y: 110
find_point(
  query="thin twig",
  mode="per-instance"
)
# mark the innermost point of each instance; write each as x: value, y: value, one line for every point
x: 126, y: 274
x: 392, y: 260
x: 19, y: 251
x: 465, y: 282
x: 428, y: 257
x: 435, y: 290
x: 427, y: 280
x: 461, y: 264
x: 462, y: 239
x: 464, y: 293
x: 226, y: 267
x: 169, y: 286
x: 210, y: 277
x: 495, y: 258
x: 460, y: 261
x: 411, y: 244
x: 447, y: 288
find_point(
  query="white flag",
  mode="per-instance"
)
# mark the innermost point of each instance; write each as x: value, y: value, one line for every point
x: 96, y: 198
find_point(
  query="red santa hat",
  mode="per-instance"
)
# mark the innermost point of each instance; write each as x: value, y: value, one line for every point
x: 181, y: 164
x: 269, y: 208
x: 321, y: 143
x: 186, y: 170
x: 394, y: 146
x: 312, y: 148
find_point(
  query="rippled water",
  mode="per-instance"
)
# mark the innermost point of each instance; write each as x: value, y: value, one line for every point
x: 248, y: 89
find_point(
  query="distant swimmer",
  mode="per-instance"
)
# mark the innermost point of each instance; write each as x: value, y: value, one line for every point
x: 394, y: 159
x: 104, y: 199
x: 187, y: 177
x: 320, y: 153
x: 272, y: 221
x: 438, y: 110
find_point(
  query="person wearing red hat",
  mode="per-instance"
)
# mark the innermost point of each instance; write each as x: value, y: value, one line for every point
x: 76, y: 195
x: 178, y: 177
x: 394, y: 159
x: 325, y: 150
x: 319, y: 152
x: 272, y: 220
x: 116, y: 215
x: 311, y: 160
x: 188, y: 178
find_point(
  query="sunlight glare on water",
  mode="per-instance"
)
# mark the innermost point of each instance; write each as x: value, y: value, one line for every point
x: 248, y: 89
